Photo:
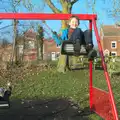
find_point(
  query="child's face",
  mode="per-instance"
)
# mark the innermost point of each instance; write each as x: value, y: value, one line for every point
x: 73, y: 23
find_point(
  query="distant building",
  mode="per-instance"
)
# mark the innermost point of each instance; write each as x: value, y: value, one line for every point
x: 30, y: 48
x: 50, y: 50
x: 110, y: 39
x: 27, y: 48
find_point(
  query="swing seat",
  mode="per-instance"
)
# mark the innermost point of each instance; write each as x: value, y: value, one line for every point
x: 73, y: 49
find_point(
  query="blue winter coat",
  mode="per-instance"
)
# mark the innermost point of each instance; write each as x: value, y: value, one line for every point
x: 63, y: 37
x: 77, y: 34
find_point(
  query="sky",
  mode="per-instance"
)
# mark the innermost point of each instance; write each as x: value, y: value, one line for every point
x: 78, y: 8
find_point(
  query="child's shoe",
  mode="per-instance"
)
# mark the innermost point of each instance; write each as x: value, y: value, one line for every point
x: 92, y: 53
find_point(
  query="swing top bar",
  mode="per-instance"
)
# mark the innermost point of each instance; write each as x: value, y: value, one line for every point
x: 45, y: 16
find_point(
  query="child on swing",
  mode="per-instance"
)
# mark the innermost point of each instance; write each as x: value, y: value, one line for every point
x: 72, y: 33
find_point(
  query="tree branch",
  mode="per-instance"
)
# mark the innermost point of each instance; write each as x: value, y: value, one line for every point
x: 74, y: 1
x: 62, y: 2
x: 51, y: 5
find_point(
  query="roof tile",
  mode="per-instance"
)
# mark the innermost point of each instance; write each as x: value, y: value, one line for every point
x: 111, y: 30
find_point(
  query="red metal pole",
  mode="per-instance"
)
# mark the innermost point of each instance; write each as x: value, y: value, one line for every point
x: 90, y: 75
x: 90, y: 85
x: 115, y: 114
x: 45, y: 16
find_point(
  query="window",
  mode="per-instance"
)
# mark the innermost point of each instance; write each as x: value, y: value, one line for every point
x: 113, y: 44
x: 114, y: 53
x: 29, y: 45
x: 53, y: 56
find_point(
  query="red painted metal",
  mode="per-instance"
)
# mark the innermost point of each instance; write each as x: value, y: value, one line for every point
x: 90, y: 24
x: 90, y: 74
x: 90, y: 85
x: 101, y: 104
x: 45, y: 16
x: 114, y: 110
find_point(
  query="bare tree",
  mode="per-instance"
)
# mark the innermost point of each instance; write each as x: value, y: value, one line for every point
x: 66, y: 8
x: 39, y: 37
x: 13, y: 6
x: 112, y: 7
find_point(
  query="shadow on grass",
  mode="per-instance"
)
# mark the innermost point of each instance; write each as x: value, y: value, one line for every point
x: 87, y: 68
x: 54, y: 109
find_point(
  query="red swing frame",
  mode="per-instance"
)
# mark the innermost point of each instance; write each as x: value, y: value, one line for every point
x: 98, y: 97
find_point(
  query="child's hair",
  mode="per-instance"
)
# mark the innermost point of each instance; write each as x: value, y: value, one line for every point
x: 73, y: 16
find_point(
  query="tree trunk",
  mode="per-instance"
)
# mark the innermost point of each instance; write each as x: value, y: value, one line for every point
x: 16, y: 43
x: 23, y: 49
x: 41, y: 48
x: 41, y: 51
x: 38, y: 51
x: 66, y: 9
x: 14, y: 50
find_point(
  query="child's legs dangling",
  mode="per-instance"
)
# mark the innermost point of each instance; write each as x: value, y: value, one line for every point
x: 89, y: 45
x: 88, y: 37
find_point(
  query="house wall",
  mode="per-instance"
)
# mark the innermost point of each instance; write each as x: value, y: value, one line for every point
x: 30, y: 52
x: 50, y: 50
x: 107, y: 40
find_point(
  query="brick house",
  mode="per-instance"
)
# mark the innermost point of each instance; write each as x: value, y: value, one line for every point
x: 110, y: 39
x: 30, y: 51
x: 50, y: 50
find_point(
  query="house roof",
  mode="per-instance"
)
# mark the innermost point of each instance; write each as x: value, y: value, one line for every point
x: 30, y: 34
x: 111, y: 30
x: 48, y: 40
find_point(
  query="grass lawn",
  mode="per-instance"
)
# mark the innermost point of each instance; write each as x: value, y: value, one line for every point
x: 73, y: 85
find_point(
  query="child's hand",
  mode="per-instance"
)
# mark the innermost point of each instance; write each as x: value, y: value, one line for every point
x: 54, y: 32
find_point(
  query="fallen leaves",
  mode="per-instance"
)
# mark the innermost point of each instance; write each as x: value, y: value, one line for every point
x: 20, y: 73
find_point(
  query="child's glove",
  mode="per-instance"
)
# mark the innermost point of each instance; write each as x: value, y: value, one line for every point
x: 54, y: 32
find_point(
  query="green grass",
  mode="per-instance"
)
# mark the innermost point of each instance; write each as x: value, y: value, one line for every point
x: 73, y: 85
